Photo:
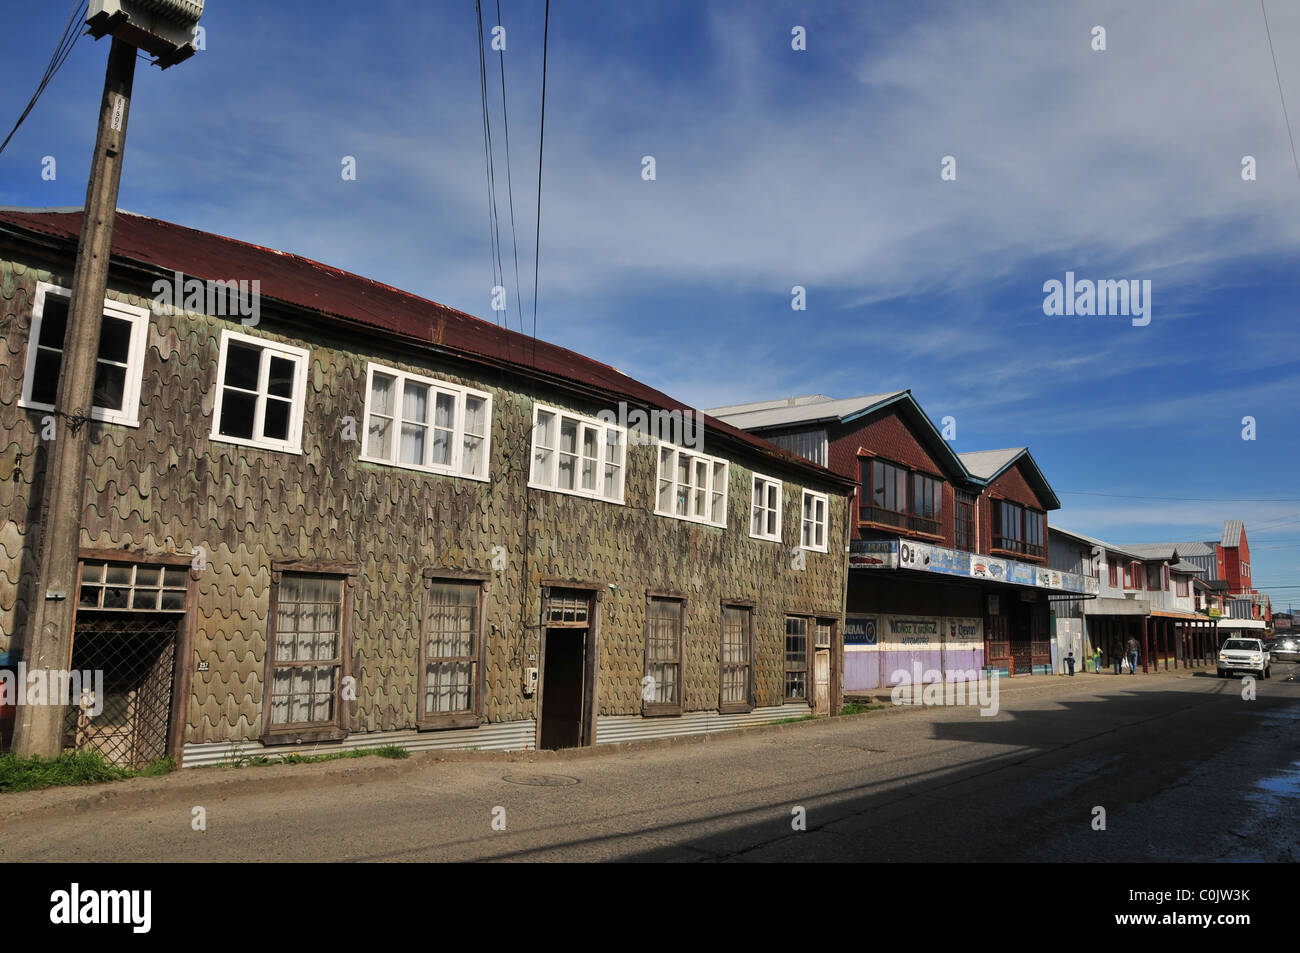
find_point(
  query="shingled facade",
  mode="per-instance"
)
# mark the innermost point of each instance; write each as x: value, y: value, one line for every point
x: 354, y: 523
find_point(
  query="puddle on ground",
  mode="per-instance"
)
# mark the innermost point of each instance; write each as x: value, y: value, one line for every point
x: 1286, y: 784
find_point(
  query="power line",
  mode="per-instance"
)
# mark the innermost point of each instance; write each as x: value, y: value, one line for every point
x: 541, y: 145
x: 1280, y: 94
x: 494, y: 232
x: 60, y: 56
x: 510, y: 185
x: 1186, y: 499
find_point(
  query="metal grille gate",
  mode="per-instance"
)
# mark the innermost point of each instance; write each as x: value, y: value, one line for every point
x: 136, y: 651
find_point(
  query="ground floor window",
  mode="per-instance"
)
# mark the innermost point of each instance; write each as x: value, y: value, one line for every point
x: 307, y: 650
x: 796, y: 659
x: 737, y: 639
x: 450, y: 651
x: 662, y: 685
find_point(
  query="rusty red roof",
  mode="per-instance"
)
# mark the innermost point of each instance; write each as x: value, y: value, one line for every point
x: 349, y: 298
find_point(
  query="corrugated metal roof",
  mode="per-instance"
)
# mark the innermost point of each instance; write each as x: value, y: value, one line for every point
x: 1232, y: 530
x: 1196, y: 548
x: 1184, y: 566
x: 793, y: 411
x: 351, y: 299
x: 721, y: 412
x: 1092, y: 541
x: 1151, y: 550
x: 986, y: 464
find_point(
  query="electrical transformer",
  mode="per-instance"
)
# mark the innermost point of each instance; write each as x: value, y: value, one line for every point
x: 162, y: 28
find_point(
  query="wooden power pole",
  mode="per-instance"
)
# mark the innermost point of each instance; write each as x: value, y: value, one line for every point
x: 38, y: 729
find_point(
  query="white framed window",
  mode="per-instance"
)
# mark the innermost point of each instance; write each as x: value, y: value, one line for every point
x: 261, y: 392
x: 419, y: 423
x: 812, y: 533
x: 765, y: 509
x: 691, y: 486
x: 578, y: 455
x: 119, y: 365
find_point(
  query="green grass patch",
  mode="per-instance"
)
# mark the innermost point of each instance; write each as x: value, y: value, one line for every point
x: 70, y: 768
x: 857, y: 708
x: 791, y: 721
x: 396, y: 752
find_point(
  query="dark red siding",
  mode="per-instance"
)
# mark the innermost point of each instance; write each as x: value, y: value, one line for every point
x: 885, y: 434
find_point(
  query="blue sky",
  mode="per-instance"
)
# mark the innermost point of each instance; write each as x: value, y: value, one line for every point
x: 778, y: 168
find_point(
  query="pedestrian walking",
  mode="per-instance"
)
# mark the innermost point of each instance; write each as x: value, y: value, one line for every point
x: 1096, y: 660
x: 1133, y: 650
x: 1069, y: 663
x: 1116, y: 654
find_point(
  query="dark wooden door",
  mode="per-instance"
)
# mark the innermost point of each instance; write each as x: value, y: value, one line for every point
x: 563, y: 681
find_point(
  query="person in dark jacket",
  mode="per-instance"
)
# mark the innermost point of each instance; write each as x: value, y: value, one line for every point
x: 1133, y: 650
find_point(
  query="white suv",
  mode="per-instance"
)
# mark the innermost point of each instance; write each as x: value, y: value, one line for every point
x: 1244, y: 655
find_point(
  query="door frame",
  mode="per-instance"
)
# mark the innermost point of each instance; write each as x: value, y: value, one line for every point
x: 182, y: 667
x: 591, y: 661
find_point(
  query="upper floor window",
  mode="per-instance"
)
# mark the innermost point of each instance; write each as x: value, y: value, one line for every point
x: 1182, y: 587
x: 119, y: 363
x: 964, y: 521
x: 1113, y: 569
x: 813, y: 527
x: 765, y: 509
x: 261, y: 392
x: 891, y: 498
x: 1155, y: 577
x: 425, y: 424
x: 1131, y: 575
x: 1017, y: 528
x: 692, y: 486
x: 579, y: 455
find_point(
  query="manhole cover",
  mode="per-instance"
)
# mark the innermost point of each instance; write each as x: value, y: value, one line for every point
x: 540, y: 780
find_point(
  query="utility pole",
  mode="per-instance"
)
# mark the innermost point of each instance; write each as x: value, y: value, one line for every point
x: 48, y: 642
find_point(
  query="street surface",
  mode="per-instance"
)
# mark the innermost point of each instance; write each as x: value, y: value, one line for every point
x: 1184, y: 768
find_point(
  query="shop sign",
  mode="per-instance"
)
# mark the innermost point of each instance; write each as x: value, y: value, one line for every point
x: 874, y: 554
x: 859, y: 631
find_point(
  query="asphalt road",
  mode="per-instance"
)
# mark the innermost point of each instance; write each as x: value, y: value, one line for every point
x: 1183, y: 767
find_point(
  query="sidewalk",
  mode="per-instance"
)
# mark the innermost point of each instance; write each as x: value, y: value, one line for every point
x: 876, y: 696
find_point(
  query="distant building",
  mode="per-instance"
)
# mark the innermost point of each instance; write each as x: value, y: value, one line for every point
x: 949, y: 566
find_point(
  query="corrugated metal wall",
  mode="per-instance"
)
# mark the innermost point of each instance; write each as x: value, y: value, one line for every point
x: 507, y: 736
x: 612, y: 729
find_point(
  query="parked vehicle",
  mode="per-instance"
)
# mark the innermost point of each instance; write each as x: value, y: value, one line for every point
x: 1244, y: 655
x: 1283, y: 648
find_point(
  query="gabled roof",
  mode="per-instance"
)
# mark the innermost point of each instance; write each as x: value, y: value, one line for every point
x: 987, y: 465
x: 358, y: 304
x: 1183, y: 566
x: 1166, y: 552
x: 1091, y: 541
x: 793, y: 412
x: 1232, y: 530
x: 1196, y: 548
x: 721, y: 412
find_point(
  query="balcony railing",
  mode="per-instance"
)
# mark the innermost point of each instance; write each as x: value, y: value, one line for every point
x: 1007, y: 544
x: 914, y: 524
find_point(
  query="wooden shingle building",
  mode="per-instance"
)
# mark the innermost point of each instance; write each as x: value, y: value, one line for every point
x: 349, y: 516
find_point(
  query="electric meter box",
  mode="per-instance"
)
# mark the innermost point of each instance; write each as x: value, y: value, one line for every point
x: 162, y: 28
